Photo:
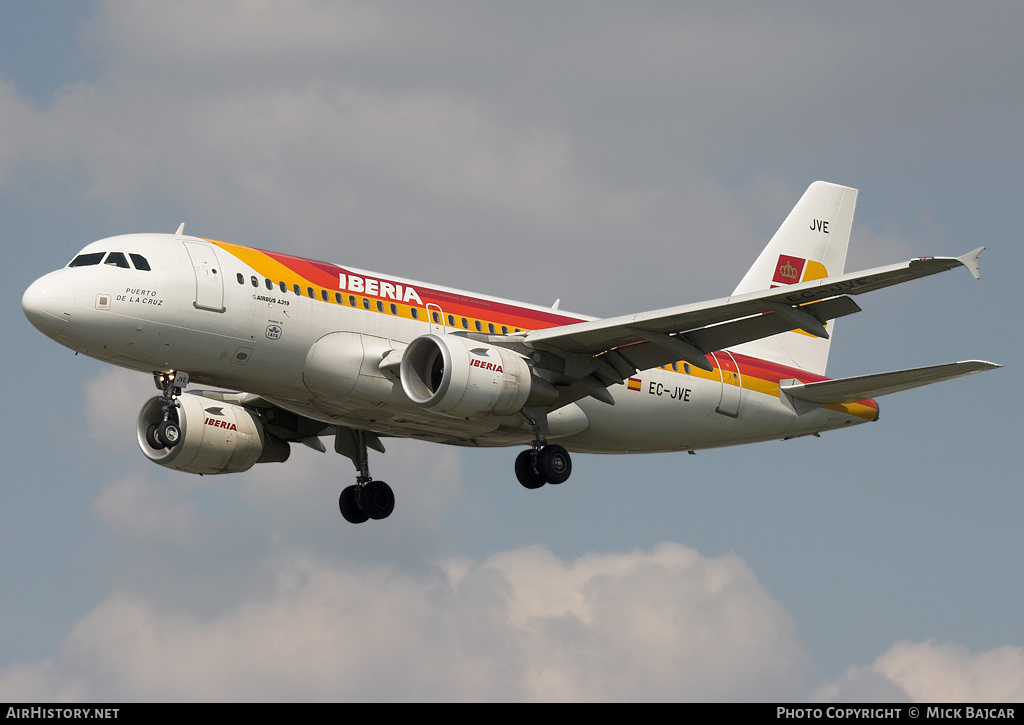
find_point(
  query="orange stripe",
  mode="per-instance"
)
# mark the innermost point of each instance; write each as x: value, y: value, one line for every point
x: 757, y: 375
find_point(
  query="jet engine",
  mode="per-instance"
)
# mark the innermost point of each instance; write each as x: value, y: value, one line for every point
x: 216, y: 437
x: 469, y: 379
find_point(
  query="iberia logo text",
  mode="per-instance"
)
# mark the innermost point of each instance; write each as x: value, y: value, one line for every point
x: 220, y: 424
x: 485, y: 365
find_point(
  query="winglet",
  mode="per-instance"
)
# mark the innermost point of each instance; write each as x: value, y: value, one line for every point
x: 970, y: 260
x: 181, y: 230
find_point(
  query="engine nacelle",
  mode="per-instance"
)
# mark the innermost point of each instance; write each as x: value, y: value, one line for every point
x: 216, y: 437
x: 469, y: 379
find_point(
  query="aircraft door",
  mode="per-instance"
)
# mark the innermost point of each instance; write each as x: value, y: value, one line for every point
x: 435, y: 317
x: 209, y: 277
x: 732, y: 384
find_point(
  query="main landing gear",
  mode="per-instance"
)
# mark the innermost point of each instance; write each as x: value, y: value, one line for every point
x: 367, y: 499
x: 543, y: 464
x: 167, y: 433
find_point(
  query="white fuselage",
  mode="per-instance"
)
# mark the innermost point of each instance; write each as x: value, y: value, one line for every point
x: 239, y: 319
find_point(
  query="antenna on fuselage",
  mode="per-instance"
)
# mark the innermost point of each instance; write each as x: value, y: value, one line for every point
x: 181, y: 230
x: 557, y: 303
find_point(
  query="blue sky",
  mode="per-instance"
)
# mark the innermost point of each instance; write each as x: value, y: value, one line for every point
x: 620, y: 157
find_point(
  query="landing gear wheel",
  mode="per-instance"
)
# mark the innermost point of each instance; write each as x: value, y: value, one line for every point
x: 526, y: 472
x: 168, y: 433
x: 368, y: 499
x: 152, y: 440
x: 554, y: 464
x: 349, y: 508
x: 377, y: 500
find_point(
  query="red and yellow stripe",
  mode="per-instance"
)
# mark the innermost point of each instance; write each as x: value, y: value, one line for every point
x: 756, y: 375
x: 307, y: 273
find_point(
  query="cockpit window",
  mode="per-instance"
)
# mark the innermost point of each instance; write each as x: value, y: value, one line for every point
x: 114, y: 259
x: 117, y: 259
x: 87, y: 260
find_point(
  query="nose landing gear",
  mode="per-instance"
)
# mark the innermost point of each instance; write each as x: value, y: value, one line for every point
x: 167, y: 433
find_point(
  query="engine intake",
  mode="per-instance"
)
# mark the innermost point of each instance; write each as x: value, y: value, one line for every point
x: 216, y: 437
x: 469, y: 379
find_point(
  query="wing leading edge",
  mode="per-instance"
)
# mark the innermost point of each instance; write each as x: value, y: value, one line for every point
x: 689, y: 332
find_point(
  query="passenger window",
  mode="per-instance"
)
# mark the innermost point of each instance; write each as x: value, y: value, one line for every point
x: 240, y: 278
x: 366, y: 304
x: 117, y: 259
x: 394, y: 309
x: 351, y: 300
x: 380, y: 306
x: 323, y: 295
x: 297, y: 290
x: 255, y: 282
x: 451, y: 321
x: 86, y: 260
x: 686, y: 368
x: 338, y: 298
x: 436, y: 318
x: 140, y: 262
x: 490, y: 327
x: 479, y: 327
x: 283, y: 287
x: 415, y: 313
x: 311, y: 293
x: 504, y: 329
x: 465, y: 324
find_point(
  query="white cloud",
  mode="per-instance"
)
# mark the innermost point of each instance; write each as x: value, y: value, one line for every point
x: 18, y: 120
x: 932, y: 672
x: 113, y: 399
x: 323, y: 155
x: 188, y: 38
x: 41, y: 682
x: 136, y: 509
x: 523, y: 624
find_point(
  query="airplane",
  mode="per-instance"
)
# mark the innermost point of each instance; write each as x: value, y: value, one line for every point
x: 300, y: 349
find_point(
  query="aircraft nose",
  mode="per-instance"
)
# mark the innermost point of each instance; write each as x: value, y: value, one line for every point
x: 48, y: 302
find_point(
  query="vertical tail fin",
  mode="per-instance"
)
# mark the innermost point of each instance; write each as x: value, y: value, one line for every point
x: 810, y: 244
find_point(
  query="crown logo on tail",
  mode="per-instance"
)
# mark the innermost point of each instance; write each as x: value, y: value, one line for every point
x: 788, y: 269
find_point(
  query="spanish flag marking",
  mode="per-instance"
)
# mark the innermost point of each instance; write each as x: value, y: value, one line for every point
x: 633, y: 384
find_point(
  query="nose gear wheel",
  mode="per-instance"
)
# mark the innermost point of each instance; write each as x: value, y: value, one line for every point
x: 167, y: 433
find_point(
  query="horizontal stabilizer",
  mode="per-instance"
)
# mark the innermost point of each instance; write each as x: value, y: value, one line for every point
x: 862, y: 387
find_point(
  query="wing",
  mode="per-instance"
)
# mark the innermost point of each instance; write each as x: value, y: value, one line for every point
x: 593, y: 355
